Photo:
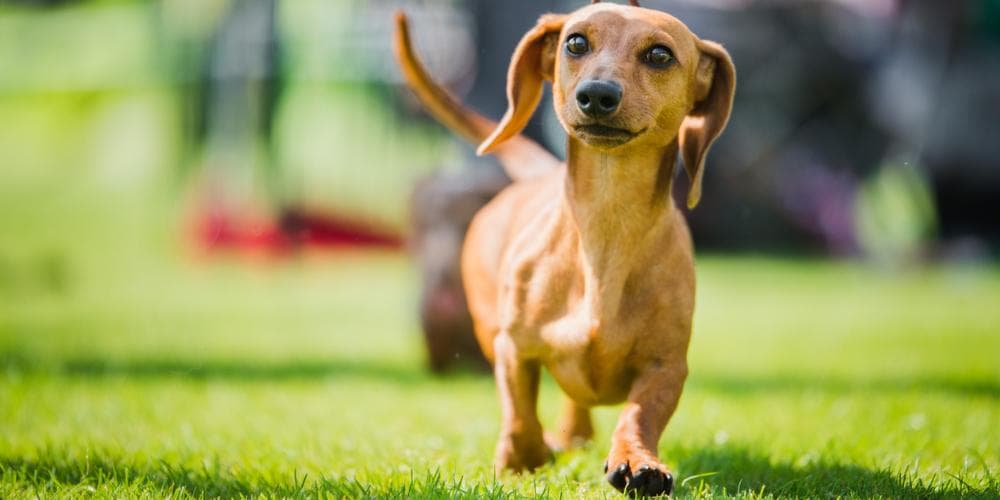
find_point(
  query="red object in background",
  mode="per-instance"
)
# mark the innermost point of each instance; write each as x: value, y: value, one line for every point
x: 316, y: 230
x: 294, y: 229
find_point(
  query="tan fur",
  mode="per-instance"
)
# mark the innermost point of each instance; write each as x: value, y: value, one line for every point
x: 587, y: 268
x: 521, y: 157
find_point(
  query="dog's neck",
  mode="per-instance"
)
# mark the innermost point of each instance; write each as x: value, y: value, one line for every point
x: 621, y: 205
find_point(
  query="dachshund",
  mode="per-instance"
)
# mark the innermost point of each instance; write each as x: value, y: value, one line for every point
x: 586, y: 266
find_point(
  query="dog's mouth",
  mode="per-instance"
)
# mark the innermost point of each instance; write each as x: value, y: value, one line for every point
x: 604, y: 135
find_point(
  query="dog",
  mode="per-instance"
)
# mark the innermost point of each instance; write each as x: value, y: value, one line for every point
x: 441, y: 207
x: 586, y: 267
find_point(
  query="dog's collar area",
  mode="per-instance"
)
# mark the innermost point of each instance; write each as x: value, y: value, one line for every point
x: 634, y: 3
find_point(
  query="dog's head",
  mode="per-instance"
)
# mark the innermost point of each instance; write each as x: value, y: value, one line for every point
x: 623, y: 77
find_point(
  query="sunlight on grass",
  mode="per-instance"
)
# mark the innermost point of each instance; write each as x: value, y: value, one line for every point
x: 307, y: 377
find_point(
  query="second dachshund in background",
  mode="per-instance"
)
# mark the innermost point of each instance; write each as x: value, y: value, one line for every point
x: 441, y: 208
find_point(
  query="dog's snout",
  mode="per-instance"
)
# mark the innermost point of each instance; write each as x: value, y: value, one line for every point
x: 598, y: 98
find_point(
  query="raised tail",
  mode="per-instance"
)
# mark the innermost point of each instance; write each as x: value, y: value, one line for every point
x: 521, y: 157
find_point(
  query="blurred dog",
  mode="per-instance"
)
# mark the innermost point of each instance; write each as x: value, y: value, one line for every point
x: 587, y: 267
x: 441, y: 208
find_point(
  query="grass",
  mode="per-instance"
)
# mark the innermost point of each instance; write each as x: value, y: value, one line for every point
x: 223, y: 378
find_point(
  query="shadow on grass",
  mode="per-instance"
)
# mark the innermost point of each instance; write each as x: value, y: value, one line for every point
x: 736, y: 471
x: 400, y: 372
x: 784, y: 383
x: 52, y: 474
x: 237, y: 370
x: 243, y: 370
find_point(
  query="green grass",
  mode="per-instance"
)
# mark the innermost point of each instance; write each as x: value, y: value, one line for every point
x: 220, y: 378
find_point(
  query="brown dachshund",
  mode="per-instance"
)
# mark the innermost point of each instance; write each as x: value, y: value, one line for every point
x: 586, y: 267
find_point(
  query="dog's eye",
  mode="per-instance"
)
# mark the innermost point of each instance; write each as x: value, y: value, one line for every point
x: 659, y: 57
x: 577, y: 45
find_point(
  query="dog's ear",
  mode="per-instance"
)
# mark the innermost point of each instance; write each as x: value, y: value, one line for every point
x: 533, y: 62
x: 715, y: 85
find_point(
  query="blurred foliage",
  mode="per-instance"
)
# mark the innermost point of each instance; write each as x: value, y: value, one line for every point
x: 895, y: 215
x: 92, y: 92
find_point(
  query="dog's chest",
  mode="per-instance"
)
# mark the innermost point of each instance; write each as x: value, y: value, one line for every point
x: 595, y: 317
x: 581, y: 331
x: 589, y: 360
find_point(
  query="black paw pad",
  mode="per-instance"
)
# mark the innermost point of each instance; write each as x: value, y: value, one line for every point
x: 619, y: 477
x: 649, y: 482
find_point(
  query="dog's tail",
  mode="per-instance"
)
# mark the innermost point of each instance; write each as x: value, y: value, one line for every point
x: 521, y: 157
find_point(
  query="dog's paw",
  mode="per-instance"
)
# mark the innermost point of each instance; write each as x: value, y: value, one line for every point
x: 648, y: 480
x: 555, y: 443
x: 519, y: 455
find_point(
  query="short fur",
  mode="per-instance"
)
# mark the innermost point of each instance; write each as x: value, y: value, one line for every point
x: 586, y: 267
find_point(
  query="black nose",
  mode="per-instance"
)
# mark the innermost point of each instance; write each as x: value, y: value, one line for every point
x: 598, y: 98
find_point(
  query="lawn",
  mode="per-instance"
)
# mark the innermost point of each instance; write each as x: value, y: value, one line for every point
x: 227, y: 377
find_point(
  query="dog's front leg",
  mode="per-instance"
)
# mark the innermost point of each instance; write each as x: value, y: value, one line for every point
x: 633, y: 466
x: 521, y: 445
x: 575, y: 426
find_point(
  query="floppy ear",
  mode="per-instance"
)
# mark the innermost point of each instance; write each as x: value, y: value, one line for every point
x: 532, y: 63
x: 715, y: 85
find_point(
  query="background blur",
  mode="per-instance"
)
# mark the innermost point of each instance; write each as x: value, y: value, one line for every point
x: 861, y: 128
x: 220, y: 190
x: 140, y: 138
